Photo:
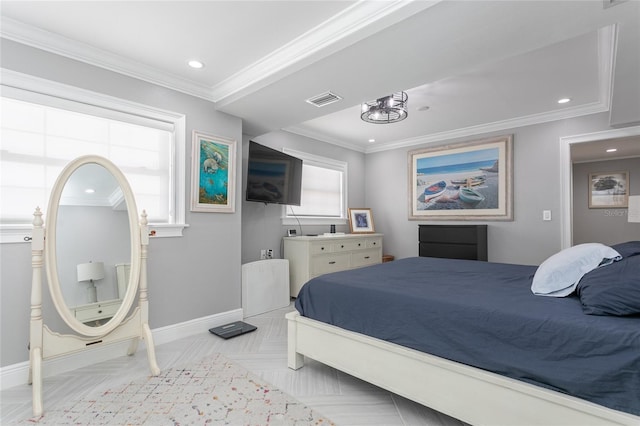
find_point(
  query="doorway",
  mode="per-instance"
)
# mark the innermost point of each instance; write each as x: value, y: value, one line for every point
x: 566, y: 173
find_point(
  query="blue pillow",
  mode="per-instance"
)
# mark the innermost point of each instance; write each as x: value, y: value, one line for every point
x: 559, y: 274
x: 614, y: 290
x: 628, y: 249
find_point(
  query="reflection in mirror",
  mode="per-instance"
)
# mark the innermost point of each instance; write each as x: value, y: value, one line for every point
x: 93, y: 244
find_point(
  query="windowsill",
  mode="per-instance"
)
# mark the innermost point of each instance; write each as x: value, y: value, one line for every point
x: 22, y: 233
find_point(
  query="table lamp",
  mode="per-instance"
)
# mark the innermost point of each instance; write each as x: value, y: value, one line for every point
x: 89, y: 272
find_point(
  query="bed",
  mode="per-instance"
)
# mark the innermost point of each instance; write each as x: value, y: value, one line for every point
x: 471, y: 340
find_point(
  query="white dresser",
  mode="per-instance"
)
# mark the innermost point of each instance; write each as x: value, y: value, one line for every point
x: 312, y: 256
x: 97, y: 312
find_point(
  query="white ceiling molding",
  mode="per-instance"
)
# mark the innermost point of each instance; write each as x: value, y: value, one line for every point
x: 336, y: 29
x: 322, y: 137
x: 607, y: 49
x: 530, y: 120
x: 607, y: 39
x: 54, y: 43
x: 459, y: 133
x: 340, y: 28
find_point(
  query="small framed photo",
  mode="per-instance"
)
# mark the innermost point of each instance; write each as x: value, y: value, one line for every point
x: 361, y: 221
x: 213, y: 173
x: 608, y: 190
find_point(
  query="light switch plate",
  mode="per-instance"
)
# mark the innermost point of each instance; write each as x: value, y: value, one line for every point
x: 546, y: 215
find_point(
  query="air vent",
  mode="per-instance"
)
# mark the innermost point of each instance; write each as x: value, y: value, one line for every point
x: 324, y: 99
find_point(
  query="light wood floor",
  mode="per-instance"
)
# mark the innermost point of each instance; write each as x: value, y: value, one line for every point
x: 340, y: 397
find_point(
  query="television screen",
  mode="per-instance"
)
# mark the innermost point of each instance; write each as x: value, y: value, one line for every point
x: 273, y: 176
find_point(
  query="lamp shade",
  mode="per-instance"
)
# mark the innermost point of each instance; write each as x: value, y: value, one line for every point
x: 633, y: 212
x: 90, y: 271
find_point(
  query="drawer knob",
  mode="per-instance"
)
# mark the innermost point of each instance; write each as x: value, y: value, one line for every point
x: 375, y: 243
x: 367, y: 257
x: 321, y: 248
x: 99, y: 312
x: 342, y: 246
x: 359, y: 244
x: 332, y: 262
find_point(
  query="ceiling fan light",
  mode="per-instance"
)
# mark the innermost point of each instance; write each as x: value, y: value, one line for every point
x: 389, y: 109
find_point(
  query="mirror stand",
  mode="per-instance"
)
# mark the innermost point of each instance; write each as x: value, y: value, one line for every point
x: 45, y: 344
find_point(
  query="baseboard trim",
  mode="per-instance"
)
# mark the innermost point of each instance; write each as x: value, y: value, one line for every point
x: 18, y: 374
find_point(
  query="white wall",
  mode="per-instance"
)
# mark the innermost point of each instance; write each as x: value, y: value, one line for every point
x: 189, y: 277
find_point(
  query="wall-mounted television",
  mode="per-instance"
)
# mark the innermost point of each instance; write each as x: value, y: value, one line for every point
x: 273, y: 176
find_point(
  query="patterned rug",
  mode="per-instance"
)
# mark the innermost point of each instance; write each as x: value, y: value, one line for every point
x: 213, y: 391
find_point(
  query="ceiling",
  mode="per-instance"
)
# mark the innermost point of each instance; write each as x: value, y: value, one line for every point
x: 467, y: 66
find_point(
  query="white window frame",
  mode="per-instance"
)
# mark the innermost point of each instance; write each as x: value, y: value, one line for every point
x: 315, y: 160
x: 36, y: 90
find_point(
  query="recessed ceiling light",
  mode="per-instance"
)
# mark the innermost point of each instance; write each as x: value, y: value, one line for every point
x: 89, y: 190
x: 196, y: 64
x: 612, y: 150
x: 564, y: 100
x: 372, y: 140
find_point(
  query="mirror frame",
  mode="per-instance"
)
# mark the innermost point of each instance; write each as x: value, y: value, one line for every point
x: 51, y: 265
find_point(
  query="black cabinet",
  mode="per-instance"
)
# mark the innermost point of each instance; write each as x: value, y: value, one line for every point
x: 453, y: 241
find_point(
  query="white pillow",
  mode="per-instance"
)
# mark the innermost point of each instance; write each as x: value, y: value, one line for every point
x: 559, y: 275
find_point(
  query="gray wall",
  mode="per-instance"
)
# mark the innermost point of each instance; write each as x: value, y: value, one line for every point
x: 199, y: 274
x: 607, y: 226
x: 91, y: 234
x: 525, y: 240
x: 189, y: 277
x: 262, y: 225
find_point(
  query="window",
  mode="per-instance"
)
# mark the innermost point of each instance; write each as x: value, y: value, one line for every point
x: 41, y: 133
x: 324, y: 191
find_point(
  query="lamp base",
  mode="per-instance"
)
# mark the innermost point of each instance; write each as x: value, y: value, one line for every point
x: 92, y: 293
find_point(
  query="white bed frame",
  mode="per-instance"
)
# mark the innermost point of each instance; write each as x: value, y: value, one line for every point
x: 469, y: 394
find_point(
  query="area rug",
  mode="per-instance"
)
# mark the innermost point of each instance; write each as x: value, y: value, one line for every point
x: 213, y: 391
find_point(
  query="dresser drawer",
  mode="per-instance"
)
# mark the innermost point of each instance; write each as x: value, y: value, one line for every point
x: 330, y: 263
x: 366, y: 257
x: 339, y: 246
x: 452, y: 234
x: 453, y: 241
x: 321, y: 247
x: 97, y: 311
x: 373, y: 243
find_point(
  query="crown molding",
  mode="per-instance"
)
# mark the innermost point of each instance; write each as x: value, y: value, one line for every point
x: 50, y: 42
x: 529, y: 120
x: 302, y: 131
x: 607, y: 40
x: 346, y: 26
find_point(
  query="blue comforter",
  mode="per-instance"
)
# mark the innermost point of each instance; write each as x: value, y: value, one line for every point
x: 484, y: 315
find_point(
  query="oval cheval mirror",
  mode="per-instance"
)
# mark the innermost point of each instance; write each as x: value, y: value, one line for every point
x: 94, y: 255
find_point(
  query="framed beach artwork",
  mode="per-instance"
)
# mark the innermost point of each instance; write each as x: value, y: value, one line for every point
x: 608, y: 190
x: 213, y: 171
x: 361, y: 221
x: 465, y: 181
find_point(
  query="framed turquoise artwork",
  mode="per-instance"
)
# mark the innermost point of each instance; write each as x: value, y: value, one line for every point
x: 213, y: 173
